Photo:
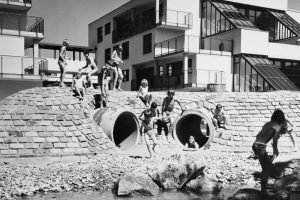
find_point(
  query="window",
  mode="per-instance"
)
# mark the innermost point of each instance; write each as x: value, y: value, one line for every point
x: 170, y: 70
x: 147, y: 43
x: 125, y: 53
x: 190, y: 66
x: 161, y: 70
x: 100, y: 34
x: 126, y: 75
x: 107, y: 29
x: 107, y: 54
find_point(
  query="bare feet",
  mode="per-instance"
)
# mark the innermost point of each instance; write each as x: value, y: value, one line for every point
x: 120, y: 89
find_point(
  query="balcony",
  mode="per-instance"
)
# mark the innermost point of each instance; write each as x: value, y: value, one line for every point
x: 17, y: 5
x: 174, y: 19
x: 21, y: 25
x: 191, y: 44
x: 22, y: 67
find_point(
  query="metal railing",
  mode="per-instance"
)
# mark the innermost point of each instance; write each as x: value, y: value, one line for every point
x: 21, y: 25
x: 174, y: 18
x: 161, y: 82
x: 22, y: 67
x: 16, y: 1
x: 191, y: 44
x: 183, y: 43
x: 216, y: 46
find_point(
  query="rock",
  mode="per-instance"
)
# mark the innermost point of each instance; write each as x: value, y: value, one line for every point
x: 137, y: 184
x: 295, y: 187
x: 252, y: 194
x: 204, y: 185
x: 172, y: 174
x: 286, y: 181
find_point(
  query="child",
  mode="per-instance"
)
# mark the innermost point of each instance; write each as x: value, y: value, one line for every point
x: 145, y: 96
x: 219, y: 117
x: 148, y: 117
x: 191, y: 145
x: 167, y: 109
x: 78, y: 86
x: 103, y: 82
x: 116, y: 58
x: 89, y: 63
x: 271, y: 130
x: 62, y: 61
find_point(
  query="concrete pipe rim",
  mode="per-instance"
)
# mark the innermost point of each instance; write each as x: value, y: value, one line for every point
x: 131, y: 113
x: 202, y: 113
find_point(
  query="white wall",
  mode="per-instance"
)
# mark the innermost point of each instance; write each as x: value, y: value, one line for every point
x: 206, y: 63
x: 250, y: 41
x: 10, y: 45
x: 284, y: 51
x: 275, y: 4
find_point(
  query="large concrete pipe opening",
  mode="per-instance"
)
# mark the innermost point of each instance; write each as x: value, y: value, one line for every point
x: 120, y: 125
x: 195, y: 123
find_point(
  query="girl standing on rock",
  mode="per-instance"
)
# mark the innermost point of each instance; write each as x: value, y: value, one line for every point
x: 148, y: 117
x: 271, y: 130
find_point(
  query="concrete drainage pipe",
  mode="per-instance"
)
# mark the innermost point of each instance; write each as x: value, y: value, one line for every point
x: 120, y: 125
x: 197, y: 123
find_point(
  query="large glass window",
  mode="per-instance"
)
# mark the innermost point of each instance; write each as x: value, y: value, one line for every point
x: 125, y: 53
x: 107, y: 28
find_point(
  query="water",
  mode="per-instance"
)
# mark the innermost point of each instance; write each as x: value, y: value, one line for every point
x: 108, y: 195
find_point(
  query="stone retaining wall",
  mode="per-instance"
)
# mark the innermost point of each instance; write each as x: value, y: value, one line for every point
x: 48, y: 121
x: 51, y: 122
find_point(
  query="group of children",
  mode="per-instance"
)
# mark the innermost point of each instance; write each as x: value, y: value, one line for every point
x: 79, y: 83
x: 151, y: 117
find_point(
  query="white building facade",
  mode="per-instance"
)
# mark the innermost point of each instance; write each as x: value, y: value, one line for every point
x: 236, y: 45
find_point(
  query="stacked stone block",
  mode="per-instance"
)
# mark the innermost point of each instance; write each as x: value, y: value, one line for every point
x: 48, y: 121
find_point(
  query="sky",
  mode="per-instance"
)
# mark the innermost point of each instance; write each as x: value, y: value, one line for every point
x: 70, y: 18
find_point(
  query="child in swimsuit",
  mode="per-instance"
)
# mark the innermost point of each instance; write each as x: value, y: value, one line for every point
x: 148, y: 117
x: 78, y: 86
x: 143, y: 93
x: 90, y: 63
x: 271, y: 130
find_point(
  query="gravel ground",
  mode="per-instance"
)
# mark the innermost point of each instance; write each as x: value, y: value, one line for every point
x: 27, y: 177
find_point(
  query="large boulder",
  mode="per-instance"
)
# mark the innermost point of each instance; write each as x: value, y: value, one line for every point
x: 137, y: 184
x: 175, y: 172
x: 288, y: 182
x: 253, y: 194
x: 203, y: 185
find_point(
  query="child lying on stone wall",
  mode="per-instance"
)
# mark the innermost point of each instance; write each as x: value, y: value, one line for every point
x: 271, y: 130
x: 78, y: 86
x: 143, y: 93
x: 148, y: 118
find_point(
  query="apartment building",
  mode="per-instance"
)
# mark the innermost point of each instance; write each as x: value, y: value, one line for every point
x: 19, y: 31
x: 234, y: 45
x: 25, y: 61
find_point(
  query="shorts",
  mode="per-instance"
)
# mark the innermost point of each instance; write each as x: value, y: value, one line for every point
x: 263, y: 157
x: 147, y: 126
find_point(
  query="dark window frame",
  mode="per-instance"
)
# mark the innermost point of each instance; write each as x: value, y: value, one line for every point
x: 126, y: 75
x: 107, y: 56
x: 125, y: 52
x: 147, y: 43
x: 107, y: 28
x: 100, y: 34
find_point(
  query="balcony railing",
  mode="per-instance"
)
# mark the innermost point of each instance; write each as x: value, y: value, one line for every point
x: 161, y: 82
x: 180, y: 44
x: 15, y: 1
x: 191, y: 44
x: 21, y: 25
x: 174, y: 18
x: 22, y: 67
